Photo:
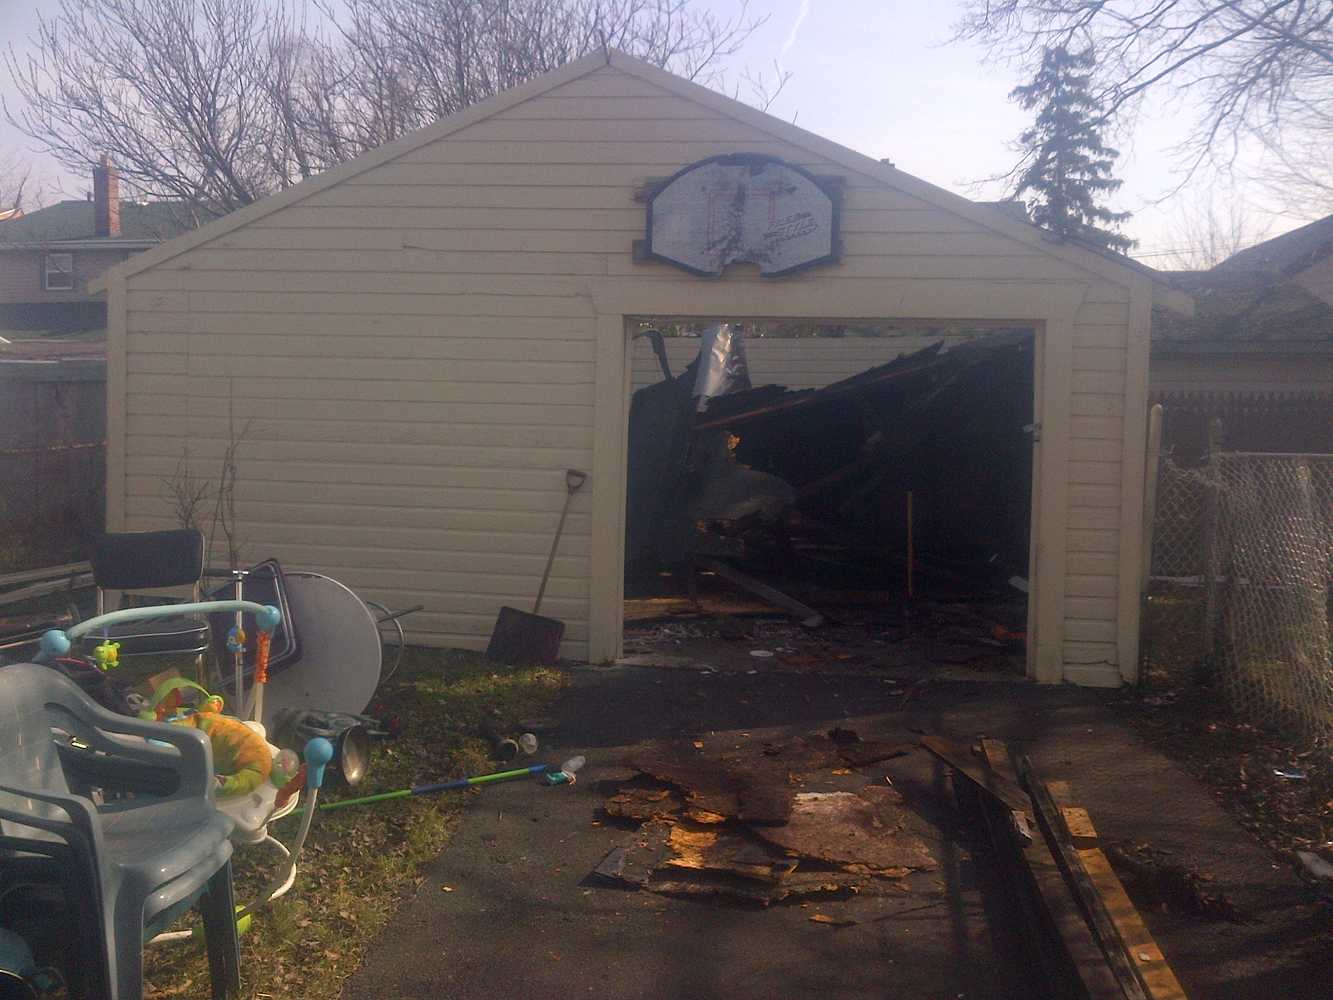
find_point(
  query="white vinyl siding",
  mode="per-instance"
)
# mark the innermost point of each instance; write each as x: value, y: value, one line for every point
x: 416, y: 348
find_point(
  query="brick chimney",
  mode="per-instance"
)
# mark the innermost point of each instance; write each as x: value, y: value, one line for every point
x: 106, y: 199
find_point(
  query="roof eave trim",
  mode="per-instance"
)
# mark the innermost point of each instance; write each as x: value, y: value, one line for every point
x: 89, y: 244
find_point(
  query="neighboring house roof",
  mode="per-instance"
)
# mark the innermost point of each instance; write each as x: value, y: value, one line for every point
x: 1104, y: 264
x: 1253, y: 300
x: 68, y: 221
x: 1287, y: 254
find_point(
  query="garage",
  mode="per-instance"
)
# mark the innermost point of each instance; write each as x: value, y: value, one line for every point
x: 421, y: 341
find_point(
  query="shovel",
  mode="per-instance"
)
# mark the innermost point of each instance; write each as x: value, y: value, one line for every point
x: 522, y: 638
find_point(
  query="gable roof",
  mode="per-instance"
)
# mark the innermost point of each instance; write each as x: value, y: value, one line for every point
x: 1287, y: 254
x: 73, y: 220
x: 1253, y: 300
x: 1118, y: 269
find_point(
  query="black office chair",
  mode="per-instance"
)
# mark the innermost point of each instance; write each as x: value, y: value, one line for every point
x: 152, y: 560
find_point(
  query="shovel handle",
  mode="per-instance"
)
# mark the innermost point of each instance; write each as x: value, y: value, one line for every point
x: 574, y: 478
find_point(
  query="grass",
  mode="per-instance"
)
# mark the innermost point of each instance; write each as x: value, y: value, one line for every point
x: 359, y: 863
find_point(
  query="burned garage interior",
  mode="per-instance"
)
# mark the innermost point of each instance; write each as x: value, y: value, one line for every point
x: 882, y: 518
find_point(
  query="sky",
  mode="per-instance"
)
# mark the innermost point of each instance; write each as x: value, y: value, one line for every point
x: 881, y: 77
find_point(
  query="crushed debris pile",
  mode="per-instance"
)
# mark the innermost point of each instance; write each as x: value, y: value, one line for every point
x: 922, y: 464
x: 740, y: 824
x: 974, y: 636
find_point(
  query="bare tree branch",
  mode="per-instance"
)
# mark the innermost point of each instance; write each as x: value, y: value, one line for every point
x: 216, y: 103
x: 1244, y: 67
x: 18, y: 190
x: 1213, y: 228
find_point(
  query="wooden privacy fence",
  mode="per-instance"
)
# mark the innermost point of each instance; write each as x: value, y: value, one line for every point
x: 52, y: 461
x: 1197, y: 422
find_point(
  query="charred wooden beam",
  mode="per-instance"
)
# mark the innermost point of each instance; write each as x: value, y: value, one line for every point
x: 807, y: 615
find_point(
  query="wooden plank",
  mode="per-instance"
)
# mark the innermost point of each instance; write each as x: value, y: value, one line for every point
x: 1082, y: 970
x: 74, y: 581
x: 1081, y: 830
x: 43, y: 573
x: 1090, y: 902
x: 1060, y: 791
x: 807, y: 616
x: 1155, y: 972
x: 993, y: 783
x: 1049, y: 970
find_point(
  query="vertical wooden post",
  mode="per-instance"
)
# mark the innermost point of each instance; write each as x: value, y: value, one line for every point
x: 606, y: 551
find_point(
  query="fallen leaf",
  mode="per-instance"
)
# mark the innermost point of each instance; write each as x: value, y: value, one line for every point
x: 446, y: 888
x: 704, y: 816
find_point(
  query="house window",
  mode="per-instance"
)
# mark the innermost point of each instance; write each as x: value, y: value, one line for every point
x: 58, y: 272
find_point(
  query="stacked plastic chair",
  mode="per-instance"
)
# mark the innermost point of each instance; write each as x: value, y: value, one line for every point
x: 129, y: 865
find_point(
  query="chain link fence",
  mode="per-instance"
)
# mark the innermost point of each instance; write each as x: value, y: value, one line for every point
x: 1177, y: 552
x: 1246, y: 544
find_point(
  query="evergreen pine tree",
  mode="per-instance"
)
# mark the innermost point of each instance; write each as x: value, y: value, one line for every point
x: 1068, y: 166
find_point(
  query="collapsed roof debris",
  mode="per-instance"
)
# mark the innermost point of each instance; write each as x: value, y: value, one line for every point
x: 818, y: 479
x: 737, y: 823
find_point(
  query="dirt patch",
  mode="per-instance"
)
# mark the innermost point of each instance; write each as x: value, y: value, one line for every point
x: 1155, y: 878
x: 1276, y: 787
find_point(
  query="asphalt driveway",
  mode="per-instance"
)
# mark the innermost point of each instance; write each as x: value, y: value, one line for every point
x: 509, y: 910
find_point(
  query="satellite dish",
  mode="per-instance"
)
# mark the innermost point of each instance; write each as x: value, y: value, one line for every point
x: 341, y: 651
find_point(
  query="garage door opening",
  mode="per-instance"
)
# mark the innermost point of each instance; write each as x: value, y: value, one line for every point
x: 824, y: 493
